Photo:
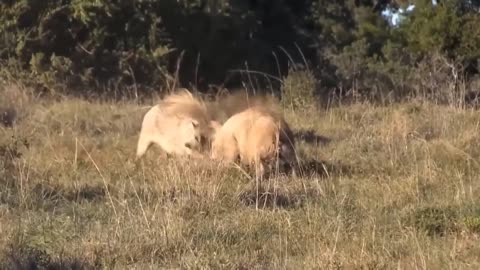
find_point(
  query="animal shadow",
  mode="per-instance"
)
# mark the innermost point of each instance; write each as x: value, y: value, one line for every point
x: 21, y: 256
x: 309, y: 168
x: 310, y: 137
x: 264, y: 198
x: 8, y: 117
x: 49, y: 196
x: 313, y: 167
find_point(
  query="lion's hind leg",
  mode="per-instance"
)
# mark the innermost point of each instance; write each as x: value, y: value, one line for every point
x: 144, y: 142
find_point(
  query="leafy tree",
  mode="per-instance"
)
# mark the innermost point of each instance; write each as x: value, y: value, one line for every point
x: 135, y: 44
x: 451, y: 27
x: 368, y: 56
x: 83, y: 43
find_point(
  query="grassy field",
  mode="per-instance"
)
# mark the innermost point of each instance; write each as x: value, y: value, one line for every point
x: 389, y: 187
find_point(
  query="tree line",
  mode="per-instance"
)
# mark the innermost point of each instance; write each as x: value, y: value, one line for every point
x: 349, y: 47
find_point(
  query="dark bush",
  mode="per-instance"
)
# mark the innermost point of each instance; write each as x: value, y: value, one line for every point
x: 134, y: 46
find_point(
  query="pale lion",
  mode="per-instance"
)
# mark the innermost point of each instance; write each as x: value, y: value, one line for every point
x: 179, y: 124
x: 257, y: 136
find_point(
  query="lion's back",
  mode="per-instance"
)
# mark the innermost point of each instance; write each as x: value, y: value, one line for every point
x: 256, y: 131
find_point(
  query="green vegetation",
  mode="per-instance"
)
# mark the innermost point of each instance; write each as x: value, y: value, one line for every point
x: 134, y: 47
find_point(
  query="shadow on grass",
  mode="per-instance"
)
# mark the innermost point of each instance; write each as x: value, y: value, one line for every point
x: 310, y: 137
x: 28, y: 258
x: 8, y: 117
x: 56, y: 193
x: 270, y: 199
x: 435, y: 221
x: 309, y: 169
x: 313, y: 167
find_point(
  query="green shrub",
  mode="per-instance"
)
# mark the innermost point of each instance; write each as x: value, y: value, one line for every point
x: 298, y: 90
x: 472, y: 223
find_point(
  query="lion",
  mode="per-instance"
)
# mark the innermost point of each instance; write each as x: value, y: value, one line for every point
x: 179, y: 124
x: 257, y: 136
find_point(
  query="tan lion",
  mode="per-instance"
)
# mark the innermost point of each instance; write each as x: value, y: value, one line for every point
x: 257, y: 136
x: 179, y: 124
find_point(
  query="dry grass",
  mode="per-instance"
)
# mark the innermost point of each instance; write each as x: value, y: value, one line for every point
x: 401, y: 191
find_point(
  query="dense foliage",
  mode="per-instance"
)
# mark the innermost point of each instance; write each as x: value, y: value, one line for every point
x: 139, y: 44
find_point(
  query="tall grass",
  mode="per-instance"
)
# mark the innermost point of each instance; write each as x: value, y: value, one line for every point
x: 388, y: 187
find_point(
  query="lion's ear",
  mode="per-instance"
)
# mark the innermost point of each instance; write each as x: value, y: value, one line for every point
x: 194, y: 123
